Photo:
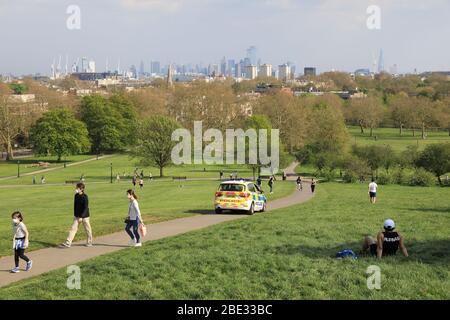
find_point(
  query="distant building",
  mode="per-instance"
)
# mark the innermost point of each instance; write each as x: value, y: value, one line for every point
x: 265, y: 70
x: 363, y: 72
x: 310, y: 71
x: 252, y: 55
x: 93, y: 76
x: 284, y: 72
x: 237, y: 70
x: 91, y: 66
x: 251, y: 72
x: 155, y: 67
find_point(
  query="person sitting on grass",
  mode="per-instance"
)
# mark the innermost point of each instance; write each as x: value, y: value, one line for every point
x: 387, y: 244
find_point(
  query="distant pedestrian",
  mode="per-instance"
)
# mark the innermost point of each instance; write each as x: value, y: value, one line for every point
x: 142, y: 174
x: 81, y: 215
x: 118, y: 178
x: 34, y: 180
x: 284, y: 176
x: 20, y: 242
x: 299, y: 183
x: 270, y: 183
x: 134, y: 219
x: 231, y: 175
x: 259, y: 182
x: 141, y: 183
x: 150, y: 176
x: 42, y: 180
x: 313, y: 185
x: 221, y: 174
x: 373, y: 191
x: 133, y: 181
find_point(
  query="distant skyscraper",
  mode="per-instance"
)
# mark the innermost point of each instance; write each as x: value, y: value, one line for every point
x: 252, y: 55
x: 381, y: 62
x: 265, y: 70
x: 223, y: 66
x: 155, y: 67
x: 237, y: 70
x: 141, y: 68
x: 91, y: 66
x: 133, y: 72
x: 231, y: 65
x: 284, y: 72
x: 84, y: 64
x: 251, y: 72
x: 169, y: 76
x: 309, y: 71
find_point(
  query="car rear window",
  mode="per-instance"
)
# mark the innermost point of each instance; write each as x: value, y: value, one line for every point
x: 231, y: 187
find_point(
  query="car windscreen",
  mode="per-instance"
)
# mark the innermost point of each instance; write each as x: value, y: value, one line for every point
x: 231, y: 187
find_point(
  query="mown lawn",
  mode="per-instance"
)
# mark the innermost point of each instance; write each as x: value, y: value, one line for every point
x: 100, y: 171
x: 283, y: 254
x: 48, y: 209
x: 391, y: 136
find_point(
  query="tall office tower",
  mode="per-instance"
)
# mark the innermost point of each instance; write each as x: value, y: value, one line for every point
x: 284, y: 72
x: 223, y: 66
x: 230, y: 69
x: 251, y: 72
x: 237, y: 70
x: 265, y: 70
x: 91, y: 66
x: 292, y: 68
x: 252, y: 55
x: 133, y: 72
x: 247, y: 62
x: 155, y: 67
x: 381, y: 62
x: 141, y: 68
x: 309, y: 71
x: 84, y: 64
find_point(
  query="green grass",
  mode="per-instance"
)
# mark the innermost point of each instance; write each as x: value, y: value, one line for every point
x: 9, y: 168
x: 391, y: 136
x: 284, y: 254
x: 48, y: 209
x: 100, y: 171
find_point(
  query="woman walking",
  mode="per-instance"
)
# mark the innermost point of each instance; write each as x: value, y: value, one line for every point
x: 313, y: 185
x: 134, y: 219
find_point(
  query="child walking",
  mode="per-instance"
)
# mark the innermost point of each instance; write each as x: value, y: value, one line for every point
x: 20, y: 241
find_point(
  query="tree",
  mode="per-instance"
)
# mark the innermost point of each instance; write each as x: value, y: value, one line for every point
x: 367, y: 113
x: 154, y: 141
x: 435, y: 158
x: 10, y: 126
x: 401, y: 107
x: 18, y: 88
x: 111, y: 122
x: 58, y: 133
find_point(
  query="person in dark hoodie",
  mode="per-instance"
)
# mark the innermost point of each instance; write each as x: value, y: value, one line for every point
x: 81, y: 215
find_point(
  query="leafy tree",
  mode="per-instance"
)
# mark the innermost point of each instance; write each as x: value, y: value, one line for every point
x: 18, y: 88
x: 435, y: 158
x: 111, y: 122
x: 58, y: 133
x: 154, y: 141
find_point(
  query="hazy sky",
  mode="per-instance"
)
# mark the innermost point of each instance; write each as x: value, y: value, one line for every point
x: 323, y: 33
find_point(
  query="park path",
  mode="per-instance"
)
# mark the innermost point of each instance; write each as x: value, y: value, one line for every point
x: 32, y: 173
x: 48, y: 259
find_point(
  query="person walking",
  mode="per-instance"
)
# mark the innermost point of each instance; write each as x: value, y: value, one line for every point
x: 118, y: 178
x: 373, y: 191
x: 43, y: 180
x: 141, y: 183
x: 133, y: 181
x: 299, y: 183
x: 313, y: 185
x: 34, y: 180
x: 150, y: 176
x: 20, y: 242
x: 270, y: 183
x: 134, y: 219
x: 259, y: 182
x: 221, y: 174
x: 81, y: 215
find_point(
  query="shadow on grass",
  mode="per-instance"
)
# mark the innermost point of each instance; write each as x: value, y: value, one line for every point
x: 444, y: 210
x: 433, y: 252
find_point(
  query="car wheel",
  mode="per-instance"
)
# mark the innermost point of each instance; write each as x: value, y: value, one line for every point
x: 251, y: 211
x: 218, y: 211
x: 264, y: 208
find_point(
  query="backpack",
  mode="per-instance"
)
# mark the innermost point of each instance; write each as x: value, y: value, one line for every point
x: 347, y: 253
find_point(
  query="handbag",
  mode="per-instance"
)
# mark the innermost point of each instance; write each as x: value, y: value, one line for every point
x: 142, y: 230
x: 127, y: 220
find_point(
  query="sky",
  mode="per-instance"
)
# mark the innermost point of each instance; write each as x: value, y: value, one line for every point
x: 327, y: 34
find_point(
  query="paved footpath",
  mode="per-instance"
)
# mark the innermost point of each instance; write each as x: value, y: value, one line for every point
x: 48, y: 259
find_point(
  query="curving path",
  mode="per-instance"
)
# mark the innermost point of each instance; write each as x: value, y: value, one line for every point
x: 48, y: 259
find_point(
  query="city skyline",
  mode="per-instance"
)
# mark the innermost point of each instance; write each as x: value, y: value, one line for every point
x: 326, y: 34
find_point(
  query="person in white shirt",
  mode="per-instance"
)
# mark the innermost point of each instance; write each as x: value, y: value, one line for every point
x: 134, y: 219
x: 373, y: 191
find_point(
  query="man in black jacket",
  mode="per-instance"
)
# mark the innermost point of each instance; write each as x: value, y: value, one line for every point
x: 81, y: 215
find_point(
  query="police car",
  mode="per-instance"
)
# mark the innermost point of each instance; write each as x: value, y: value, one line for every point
x: 240, y: 195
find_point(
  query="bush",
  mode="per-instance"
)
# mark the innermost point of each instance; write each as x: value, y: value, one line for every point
x: 350, y: 176
x: 385, y: 178
x: 421, y: 177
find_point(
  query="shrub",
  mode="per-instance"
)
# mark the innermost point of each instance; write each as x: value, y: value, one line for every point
x: 350, y: 176
x: 385, y: 178
x: 421, y: 177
